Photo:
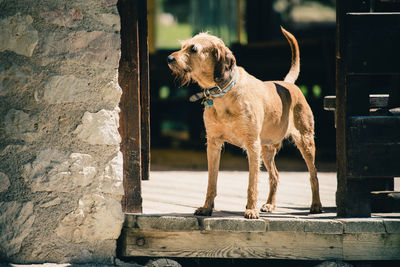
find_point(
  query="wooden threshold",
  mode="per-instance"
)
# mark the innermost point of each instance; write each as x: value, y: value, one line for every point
x: 267, y: 238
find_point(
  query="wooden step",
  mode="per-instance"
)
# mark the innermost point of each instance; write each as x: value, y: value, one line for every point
x: 267, y: 238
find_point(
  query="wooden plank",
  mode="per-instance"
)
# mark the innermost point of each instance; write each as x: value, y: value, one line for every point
x: 374, y: 129
x: 379, y: 134
x: 220, y: 244
x: 372, y: 42
x: 130, y: 129
x: 144, y: 88
x: 261, y: 245
x: 371, y: 246
x: 375, y: 101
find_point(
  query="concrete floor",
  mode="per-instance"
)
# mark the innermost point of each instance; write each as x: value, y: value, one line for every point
x: 183, y: 191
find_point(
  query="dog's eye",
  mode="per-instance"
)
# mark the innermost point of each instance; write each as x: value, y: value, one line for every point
x: 193, y: 49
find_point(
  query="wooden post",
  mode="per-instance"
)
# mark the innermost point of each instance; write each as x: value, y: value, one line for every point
x: 352, y: 196
x: 144, y: 89
x: 133, y: 79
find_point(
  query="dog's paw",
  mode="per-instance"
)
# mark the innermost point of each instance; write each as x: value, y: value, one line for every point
x: 316, y: 208
x: 203, y: 211
x: 268, y: 207
x: 251, y: 214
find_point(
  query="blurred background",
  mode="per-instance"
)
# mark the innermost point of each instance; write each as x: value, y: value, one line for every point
x: 251, y: 28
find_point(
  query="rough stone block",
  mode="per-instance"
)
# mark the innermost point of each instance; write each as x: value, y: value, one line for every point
x: 50, y: 202
x: 64, y: 89
x: 170, y: 223
x: 111, y: 93
x: 17, y: 122
x: 97, y: 217
x: 111, y: 180
x: 285, y: 225
x: 360, y: 225
x: 110, y: 20
x: 4, y: 182
x: 14, y: 78
x: 95, y: 48
x: 234, y: 224
x: 16, y: 220
x: 53, y: 170
x: 20, y: 125
x: 63, y: 17
x: 323, y: 226
x: 18, y: 35
x: 100, y: 128
x: 392, y: 226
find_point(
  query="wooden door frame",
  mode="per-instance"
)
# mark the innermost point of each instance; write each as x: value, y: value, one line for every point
x: 134, y: 122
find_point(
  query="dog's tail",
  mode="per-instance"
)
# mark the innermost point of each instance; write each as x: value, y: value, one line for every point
x: 294, y: 71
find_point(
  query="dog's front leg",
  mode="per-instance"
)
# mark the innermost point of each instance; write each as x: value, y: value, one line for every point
x: 213, y: 159
x: 253, y: 154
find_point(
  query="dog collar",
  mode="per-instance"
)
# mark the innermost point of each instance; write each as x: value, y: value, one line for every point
x: 216, y: 91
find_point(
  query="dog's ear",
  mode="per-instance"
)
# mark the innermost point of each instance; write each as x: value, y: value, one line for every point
x: 224, y: 62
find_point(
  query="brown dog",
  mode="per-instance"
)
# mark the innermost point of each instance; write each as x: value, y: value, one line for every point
x: 247, y: 112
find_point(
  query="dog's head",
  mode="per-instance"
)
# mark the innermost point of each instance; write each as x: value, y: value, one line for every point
x: 204, y: 59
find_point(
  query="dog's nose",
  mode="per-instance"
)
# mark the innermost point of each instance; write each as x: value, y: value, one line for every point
x: 170, y: 59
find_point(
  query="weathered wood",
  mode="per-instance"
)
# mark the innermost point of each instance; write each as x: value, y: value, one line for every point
x: 375, y: 101
x: 130, y: 119
x: 144, y: 88
x: 214, y: 244
x: 376, y: 130
x: 355, y: 199
x: 374, y: 143
x: 342, y: 193
x: 366, y: 44
x: 371, y: 246
x: 362, y: 245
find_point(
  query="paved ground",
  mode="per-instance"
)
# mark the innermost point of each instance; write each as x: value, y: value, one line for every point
x: 183, y: 191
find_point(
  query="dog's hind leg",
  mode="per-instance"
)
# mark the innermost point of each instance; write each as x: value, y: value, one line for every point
x: 303, y: 136
x: 213, y: 159
x: 268, y: 153
x: 253, y: 154
x: 306, y: 145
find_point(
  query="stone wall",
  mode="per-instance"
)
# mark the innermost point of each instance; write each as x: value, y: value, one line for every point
x: 60, y: 161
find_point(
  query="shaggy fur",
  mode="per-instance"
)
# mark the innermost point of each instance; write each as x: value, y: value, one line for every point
x: 253, y: 115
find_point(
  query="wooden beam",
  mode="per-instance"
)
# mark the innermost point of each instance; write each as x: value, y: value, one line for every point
x: 261, y: 245
x: 204, y: 244
x: 130, y: 115
x: 375, y: 142
x: 371, y: 246
x: 375, y: 101
x: 342, y: 193
x: 144, y: 89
